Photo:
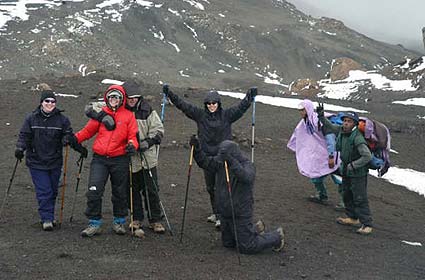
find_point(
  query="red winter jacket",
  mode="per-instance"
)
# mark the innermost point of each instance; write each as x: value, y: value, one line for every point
x: 112, y: 143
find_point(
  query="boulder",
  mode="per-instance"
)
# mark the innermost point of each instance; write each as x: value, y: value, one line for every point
x: 305, y: 87
x: 341, y: 68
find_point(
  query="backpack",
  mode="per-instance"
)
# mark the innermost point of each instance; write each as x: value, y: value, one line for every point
x: 378, y: 139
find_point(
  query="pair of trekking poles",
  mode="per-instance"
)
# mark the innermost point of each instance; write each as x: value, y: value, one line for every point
x: 156, y: 189
x: 79, y: 162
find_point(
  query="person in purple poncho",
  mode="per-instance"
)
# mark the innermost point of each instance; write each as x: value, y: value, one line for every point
x: 315, y: 153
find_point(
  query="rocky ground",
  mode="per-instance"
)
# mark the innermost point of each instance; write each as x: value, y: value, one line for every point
x: 317, y: 248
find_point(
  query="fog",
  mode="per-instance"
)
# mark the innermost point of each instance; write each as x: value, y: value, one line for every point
x: 391, y: 21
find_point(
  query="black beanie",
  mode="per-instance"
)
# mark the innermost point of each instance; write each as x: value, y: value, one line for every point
x: 47, y: 94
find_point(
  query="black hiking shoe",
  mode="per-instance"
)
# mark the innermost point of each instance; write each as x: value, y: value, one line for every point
x: 318, y: 200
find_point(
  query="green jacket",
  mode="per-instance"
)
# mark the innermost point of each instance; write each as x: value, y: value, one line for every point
x: 354, y: 152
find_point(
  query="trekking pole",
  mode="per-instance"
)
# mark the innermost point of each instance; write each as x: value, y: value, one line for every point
x: 164, y: 100
x: 65, y: 165
x: 131, y: 197
x: 157, y: 192
x: 148, y: 204
x: 8, y: 188
x: 254, y: 89
x: 80, y: 164
x: 229, y: 188
x: 187, y: 191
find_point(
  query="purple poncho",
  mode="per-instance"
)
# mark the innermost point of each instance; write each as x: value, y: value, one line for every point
x: 309, y: 146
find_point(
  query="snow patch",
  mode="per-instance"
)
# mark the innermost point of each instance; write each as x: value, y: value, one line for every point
x: 112, y: 82
x: 412, y: 243
x: 419, y: 101
x: 195, y: 4
x: 409, y: 178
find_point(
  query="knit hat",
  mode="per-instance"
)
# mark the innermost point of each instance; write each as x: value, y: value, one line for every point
x: 47, y: 94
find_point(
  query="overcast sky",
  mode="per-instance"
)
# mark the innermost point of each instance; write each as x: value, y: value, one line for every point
x: 392, y: 21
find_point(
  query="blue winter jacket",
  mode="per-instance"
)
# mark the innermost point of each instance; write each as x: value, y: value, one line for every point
x: 41, y: 137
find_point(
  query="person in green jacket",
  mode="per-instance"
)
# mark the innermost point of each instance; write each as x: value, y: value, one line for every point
x: 355, y: 156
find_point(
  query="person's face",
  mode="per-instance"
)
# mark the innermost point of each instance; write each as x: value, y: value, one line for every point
x: 48, y: 105
x: 212, y: 106
x: 303, y: 113
x: 131, y: 102
x: 114, y: 101
x: 348, y: 124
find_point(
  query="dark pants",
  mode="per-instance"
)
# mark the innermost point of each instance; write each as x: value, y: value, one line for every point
x: 355, y: 199
x: 210, y: 183
x: 100, y: 169
x: 46, y: 190
x: 250, y: 242
x: 141, y: 180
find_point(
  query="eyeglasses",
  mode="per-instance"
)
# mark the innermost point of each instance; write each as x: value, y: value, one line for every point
x: 49, y: 101
x: 211, y: 103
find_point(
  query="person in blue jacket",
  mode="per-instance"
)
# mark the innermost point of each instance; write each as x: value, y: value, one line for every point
x: 41, y: 139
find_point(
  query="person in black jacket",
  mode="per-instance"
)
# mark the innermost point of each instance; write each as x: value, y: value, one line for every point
x: 214, y: 126
x: 41, y: 138
x: 241, y: 176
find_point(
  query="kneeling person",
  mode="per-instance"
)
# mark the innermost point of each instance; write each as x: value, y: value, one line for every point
x: 242, y: 174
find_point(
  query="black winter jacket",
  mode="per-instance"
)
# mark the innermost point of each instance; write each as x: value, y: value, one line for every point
x: 41, y: 136
x: 213, y: 128
x: 242, y: 176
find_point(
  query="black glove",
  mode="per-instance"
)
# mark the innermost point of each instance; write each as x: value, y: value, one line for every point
x: 144, y: 145
x: 194, y: 141
x: 19, y: 154
x: 109, y: 122
x: 320, y: 110
x: 165, y: 89
x: 101, y: 116
x: 82, y: 150
x: 130, y: 149
x: 71, y: 140
x: 251, y: 93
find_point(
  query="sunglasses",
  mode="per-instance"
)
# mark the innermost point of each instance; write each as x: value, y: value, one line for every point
x: 49, y: 101
x: 114, y: 96
x: 211, y: 103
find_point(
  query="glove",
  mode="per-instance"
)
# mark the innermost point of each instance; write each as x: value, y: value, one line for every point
x: 108, y: 121
x: 251, y: 93
x: 130, y: 149
x: 165, y: 89
x: 19, y: 154
x: 320, y: 110
x: 194, y: 141
x: 82, y: 150
x: 331, y: 162
x: 144, y: 145
x: 71, y: 140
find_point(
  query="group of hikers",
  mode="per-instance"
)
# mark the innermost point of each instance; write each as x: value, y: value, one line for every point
x: 128, y: 132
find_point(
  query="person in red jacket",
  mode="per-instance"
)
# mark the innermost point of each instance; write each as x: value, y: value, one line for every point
x: 111, y: 151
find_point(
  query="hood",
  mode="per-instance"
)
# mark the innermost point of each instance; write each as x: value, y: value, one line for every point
x: 117, y: 88
x: 312, y: 119
x: 212, y: 96
x: 228, y: 147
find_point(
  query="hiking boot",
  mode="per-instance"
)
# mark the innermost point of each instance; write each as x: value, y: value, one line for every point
x: 139, y: 233
x: 118, y: 228
x: 91, y: 230
x: 217, y: 224
x: 318, y: 199
x: 364, y: 230
x: 212, y: 218
x: 348, y: 221
x: 282, y: 240
x: 339, y: 207
x: 260, y: 227
x: 157, y: 227
x: 136, y: 224
x: 47, y: 226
